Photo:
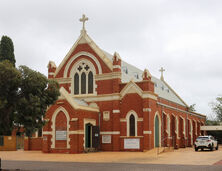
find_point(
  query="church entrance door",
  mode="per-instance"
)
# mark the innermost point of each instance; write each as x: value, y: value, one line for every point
x: 88, y: 135
x: 156, y: 131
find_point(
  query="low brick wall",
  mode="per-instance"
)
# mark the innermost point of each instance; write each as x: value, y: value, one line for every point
x: 33, y: 143
x: 9, y: 143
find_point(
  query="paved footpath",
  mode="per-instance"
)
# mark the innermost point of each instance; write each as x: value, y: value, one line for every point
x: 182, y: 159
x: 183, y: 156
x: 66, y: 166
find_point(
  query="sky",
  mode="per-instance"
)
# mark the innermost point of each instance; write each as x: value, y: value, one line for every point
x: 183, y: 36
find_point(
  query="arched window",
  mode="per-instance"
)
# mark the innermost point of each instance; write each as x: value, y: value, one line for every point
x: 76, y: 83
x: 168, y: 126
x: 191, y: 128
x: 83, y: 78
x: 83, y: 83
x: 177, y: 132
x: 184, y: 126
x: 132, y: 125
x: 90, y: 82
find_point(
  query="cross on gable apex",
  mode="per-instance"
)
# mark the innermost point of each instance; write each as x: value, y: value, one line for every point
x: 83, y: 20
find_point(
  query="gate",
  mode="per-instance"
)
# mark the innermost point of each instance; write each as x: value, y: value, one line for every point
x: 20, y: 142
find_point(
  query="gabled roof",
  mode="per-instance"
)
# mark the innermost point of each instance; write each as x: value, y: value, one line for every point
x: 84, y: 38
x: 129, y: 71
x: 161, y: 88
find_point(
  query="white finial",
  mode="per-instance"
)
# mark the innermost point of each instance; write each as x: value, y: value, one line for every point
x: 162, y: 70
x: 117, y: 55
x: 146, y: 73
x: 83, y: 20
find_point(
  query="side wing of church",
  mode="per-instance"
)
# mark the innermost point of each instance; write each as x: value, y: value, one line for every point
x: 109, y: 105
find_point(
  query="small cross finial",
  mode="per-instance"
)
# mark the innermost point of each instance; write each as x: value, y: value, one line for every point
x: 162, y: 70
x: 83, y: 20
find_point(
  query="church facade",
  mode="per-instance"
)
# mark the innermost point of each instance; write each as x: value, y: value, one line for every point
x: 109, y: 105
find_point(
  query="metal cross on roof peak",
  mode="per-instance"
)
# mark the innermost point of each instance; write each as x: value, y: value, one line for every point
x: 162, y: 70
x: 83, y: 20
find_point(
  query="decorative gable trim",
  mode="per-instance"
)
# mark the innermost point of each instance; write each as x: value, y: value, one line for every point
x: 131, y: 87
x: 65, y: 94
x: 99, y: 52
x: 84, y: 38
x: 78, y: 55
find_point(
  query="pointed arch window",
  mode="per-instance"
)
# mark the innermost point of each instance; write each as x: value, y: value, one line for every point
x: 83, y: 78
x: 90, y: 82
x: 168, y: 126
x: 83, y: 83
x: 191, y: 128
x: 76, y: 83
x: 184, y: 126
x: 132, y: 125
x: 177, y: 127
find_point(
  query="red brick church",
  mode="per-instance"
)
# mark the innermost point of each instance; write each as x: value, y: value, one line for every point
x: 110, y: 105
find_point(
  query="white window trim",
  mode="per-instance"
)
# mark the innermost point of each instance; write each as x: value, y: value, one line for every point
x: 78, y: 55
x: 168, y: 125
x: 128, y: 122
x: 53, y: 126
x: 177, y: 127
x: 160, y: 139
x: 184, y: 127
x: 75, y: 70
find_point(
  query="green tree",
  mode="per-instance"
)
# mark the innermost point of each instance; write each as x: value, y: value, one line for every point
x: 217, y: 108
x: 191, y: 108
x: 7, y: 50
x: 36, y: 93
x: 10, y: 79
x: 212, y: 122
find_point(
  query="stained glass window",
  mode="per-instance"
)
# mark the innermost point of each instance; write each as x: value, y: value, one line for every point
x: 90, y: 82
x: 76, y: 83
x: 132, y: 125
x: 83, y: 83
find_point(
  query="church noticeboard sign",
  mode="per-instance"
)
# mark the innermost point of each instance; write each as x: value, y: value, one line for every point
x: 131, y: 143
x: 61, y: 135
x: 106, y: 139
